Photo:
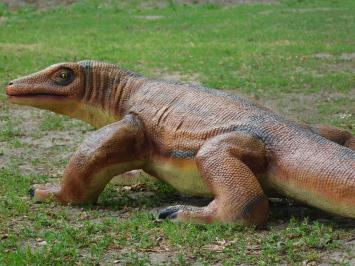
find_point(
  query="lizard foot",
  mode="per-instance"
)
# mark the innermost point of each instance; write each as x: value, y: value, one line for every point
x: 255, y: 213
x: 185, y: 213
x: 43, y: 193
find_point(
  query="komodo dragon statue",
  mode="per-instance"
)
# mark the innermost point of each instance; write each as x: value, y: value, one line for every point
x: 201, y: 141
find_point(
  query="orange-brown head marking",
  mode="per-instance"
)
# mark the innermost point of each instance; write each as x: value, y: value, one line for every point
x: 59, y: 80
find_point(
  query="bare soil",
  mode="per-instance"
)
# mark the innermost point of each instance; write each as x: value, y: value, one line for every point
x: 43, y: 4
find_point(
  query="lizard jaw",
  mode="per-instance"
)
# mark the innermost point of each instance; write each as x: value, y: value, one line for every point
x: 36, y: 100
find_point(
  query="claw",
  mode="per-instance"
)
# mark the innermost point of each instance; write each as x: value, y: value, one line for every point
x: 169, y: 213
x: 173, y: 215
x: 31, y: 192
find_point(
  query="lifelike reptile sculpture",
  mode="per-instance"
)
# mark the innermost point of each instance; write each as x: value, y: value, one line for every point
x: 201, y: 141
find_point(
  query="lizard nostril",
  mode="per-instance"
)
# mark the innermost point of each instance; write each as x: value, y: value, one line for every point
x: 10, y: 83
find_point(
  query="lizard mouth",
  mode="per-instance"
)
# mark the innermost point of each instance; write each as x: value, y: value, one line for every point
x: 33, y: 98
x: 28, y: 95
x: 11, y: 92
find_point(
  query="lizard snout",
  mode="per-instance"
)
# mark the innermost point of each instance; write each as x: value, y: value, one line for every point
x: 9, y: 88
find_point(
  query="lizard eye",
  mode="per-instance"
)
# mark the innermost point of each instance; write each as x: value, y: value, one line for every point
x: 64, y: 77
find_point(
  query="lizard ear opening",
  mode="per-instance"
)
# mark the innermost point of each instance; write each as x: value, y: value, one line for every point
x: 63, y: 76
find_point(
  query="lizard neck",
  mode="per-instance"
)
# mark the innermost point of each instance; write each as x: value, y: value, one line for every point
x: 107, y: 91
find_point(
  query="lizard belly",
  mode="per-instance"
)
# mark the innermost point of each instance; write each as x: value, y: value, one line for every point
x: 182, y: 174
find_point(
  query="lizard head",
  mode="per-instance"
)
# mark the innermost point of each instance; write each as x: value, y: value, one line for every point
x: 61, y: 88
x: 50, y: 88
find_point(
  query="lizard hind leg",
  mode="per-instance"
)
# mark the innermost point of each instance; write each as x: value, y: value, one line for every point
x: 223, y: 163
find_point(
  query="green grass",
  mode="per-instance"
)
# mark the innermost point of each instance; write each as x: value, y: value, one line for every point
x: 35, y: 234
x: 292, y: 55
x: 251, y: 48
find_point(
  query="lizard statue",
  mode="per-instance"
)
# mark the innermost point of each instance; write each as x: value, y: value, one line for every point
x: 201, y: 141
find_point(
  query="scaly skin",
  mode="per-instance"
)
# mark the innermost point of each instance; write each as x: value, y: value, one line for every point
x: 201, y: 141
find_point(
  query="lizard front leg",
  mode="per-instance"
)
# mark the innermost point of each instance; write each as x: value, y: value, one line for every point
x: 227, y: 163
x: 111, y: 150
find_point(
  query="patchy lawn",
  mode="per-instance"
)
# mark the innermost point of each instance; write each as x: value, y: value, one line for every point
x: 296, y: 57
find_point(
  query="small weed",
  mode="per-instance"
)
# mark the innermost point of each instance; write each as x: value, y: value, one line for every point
x: 16, y: 143
x: 51, y: 122
x: 3, y: 9
x: 8, y: 129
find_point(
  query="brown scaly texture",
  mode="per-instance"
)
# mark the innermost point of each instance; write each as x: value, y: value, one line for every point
x: 201, y: 141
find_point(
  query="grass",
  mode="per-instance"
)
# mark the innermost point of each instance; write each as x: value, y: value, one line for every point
x: 295, y: 56
x: 8, y: 129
